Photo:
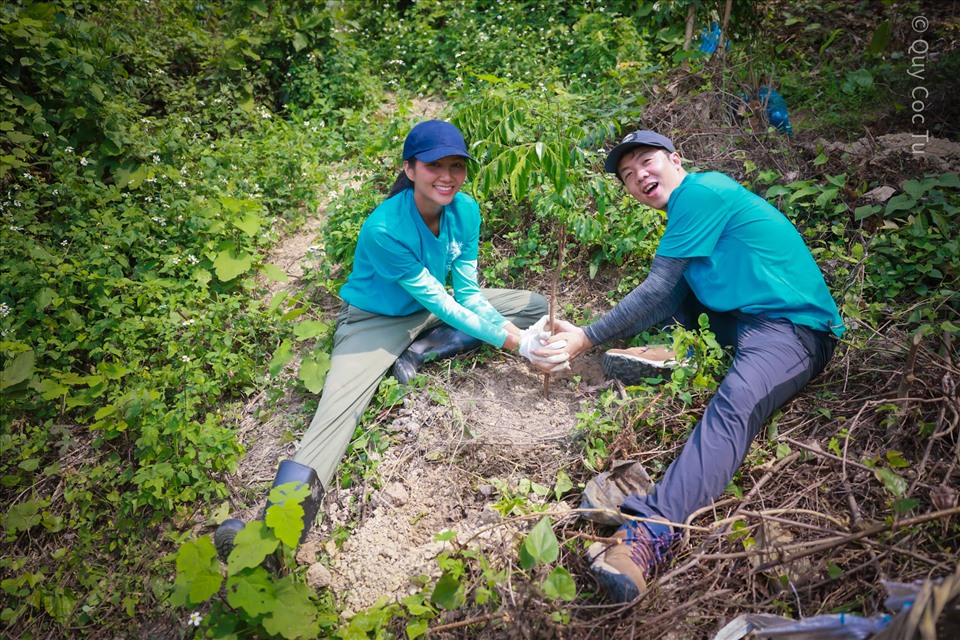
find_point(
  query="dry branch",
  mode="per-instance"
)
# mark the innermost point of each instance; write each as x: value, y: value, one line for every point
x: 842, y: 540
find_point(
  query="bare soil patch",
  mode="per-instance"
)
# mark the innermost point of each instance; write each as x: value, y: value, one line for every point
x: 497, y: 424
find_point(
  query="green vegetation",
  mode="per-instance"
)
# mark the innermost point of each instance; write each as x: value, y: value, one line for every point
x: 152, y: 154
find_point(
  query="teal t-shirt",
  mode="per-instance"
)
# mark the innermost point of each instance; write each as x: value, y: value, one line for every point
x: 745, y: 254
x: 400, y: 267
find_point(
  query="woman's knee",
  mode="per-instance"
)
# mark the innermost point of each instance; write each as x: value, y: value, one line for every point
x: 539, y: 305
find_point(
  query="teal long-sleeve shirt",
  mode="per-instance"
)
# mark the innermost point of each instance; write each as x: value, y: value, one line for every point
x: 400, y: 267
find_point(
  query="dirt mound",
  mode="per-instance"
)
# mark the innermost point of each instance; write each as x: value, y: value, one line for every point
x: 928, y: 154
x: 493, y: 426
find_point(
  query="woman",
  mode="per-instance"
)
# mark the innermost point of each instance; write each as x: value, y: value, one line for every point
x: 396, y: 309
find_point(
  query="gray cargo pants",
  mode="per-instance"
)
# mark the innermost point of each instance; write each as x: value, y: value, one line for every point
x: 365, y: 346
x: 773, y: 360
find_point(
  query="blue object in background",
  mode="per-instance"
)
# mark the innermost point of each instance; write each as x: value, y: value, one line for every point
x: 711, y: 38
x: 776, y: 109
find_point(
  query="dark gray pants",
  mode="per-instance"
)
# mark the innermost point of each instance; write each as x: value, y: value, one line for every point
x: 773, y: 360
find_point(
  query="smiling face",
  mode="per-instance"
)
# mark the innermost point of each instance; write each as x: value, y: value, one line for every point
x: 435, y: 183
x: 651, y: 174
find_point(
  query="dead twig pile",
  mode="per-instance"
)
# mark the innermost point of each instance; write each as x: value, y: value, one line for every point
x: 854, y: 487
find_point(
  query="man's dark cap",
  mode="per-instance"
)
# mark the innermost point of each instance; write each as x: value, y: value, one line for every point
x: 630, y: 142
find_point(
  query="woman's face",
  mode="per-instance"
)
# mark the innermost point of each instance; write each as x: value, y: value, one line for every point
x: 435, y: 183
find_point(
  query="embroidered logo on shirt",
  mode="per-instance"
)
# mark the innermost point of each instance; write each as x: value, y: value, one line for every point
x: 454, y: 249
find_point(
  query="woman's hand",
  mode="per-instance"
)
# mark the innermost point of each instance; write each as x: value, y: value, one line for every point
x: 512, y: 342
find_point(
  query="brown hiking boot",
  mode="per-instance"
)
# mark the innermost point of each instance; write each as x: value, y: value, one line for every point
x: 624, y: 566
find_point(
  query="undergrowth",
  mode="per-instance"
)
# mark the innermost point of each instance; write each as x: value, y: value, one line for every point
x: 152, y: 154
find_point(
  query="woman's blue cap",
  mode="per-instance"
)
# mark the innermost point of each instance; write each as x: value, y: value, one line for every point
x: 432, y: 140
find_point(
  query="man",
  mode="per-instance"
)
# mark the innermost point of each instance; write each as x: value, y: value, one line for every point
x: 730, y: 254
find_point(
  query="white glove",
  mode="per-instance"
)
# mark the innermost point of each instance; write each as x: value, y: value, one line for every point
x: 558, y: 360
x: 537, y: 329
x: 535, y: 337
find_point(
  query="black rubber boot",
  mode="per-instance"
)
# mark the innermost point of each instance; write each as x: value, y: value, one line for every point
x: 288, y: 471
x: 435, y: 344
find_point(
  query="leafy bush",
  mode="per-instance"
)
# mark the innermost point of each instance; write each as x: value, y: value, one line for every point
x: 423, y: 48
x: 913, y: 256
x: 536, y: 150
x: 256, y: 601
x: 128, y: 325
x: 909, y: 252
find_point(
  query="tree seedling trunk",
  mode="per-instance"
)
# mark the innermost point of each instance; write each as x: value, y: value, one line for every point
x: 561, y: 248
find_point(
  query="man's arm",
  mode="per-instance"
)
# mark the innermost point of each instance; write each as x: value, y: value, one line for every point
x: 654, y: 300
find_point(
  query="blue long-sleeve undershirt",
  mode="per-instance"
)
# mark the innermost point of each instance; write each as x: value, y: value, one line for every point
x: 654, y: 300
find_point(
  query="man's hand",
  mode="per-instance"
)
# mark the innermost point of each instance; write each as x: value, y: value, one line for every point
x: 573, y: 339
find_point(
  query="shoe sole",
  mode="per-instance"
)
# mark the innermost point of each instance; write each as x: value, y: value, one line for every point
x: 224, y: 535
x: 404, y: 371
x: 223, y: 542
x: 631, y: 370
